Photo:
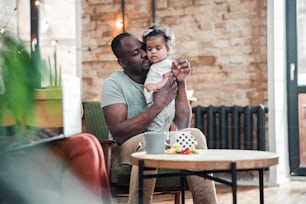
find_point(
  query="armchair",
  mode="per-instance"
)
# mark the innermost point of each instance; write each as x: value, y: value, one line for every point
x: 120, y: 175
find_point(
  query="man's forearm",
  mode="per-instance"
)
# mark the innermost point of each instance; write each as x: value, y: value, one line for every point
x: 135, y: 125
x: 182, y: 107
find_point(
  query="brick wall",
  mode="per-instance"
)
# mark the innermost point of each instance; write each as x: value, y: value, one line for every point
x: 224, y: 40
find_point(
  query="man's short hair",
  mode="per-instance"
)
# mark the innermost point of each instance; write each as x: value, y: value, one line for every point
x: 116, y: 43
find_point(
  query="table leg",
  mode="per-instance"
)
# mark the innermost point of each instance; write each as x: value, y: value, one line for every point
x: 234, y: 182
x: 183, y: 180
x: 140, y: 181
x: 261, y: 186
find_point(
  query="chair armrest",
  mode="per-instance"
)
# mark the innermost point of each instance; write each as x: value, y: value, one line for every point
x: 107, y: 150
x: 107, y: 141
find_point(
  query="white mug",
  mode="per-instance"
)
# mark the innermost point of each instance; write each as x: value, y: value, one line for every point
x: 155, y: 142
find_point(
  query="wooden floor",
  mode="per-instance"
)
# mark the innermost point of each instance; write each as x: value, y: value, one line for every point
x: 291, y: 192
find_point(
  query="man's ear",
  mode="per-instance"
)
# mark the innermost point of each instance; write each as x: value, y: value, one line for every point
x: 121, y: 62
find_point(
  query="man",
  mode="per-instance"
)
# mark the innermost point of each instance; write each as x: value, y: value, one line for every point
x: 128, y: 116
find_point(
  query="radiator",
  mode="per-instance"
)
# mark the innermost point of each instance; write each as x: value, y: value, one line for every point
x: 232, y: 127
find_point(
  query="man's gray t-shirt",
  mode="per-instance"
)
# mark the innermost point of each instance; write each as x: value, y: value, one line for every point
x: 119, y: 88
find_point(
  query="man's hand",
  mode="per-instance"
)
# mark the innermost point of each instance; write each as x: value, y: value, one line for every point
x: 167, y: 93
x: 181, y: 69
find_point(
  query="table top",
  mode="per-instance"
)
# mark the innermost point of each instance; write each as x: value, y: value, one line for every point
x: 212, y: 159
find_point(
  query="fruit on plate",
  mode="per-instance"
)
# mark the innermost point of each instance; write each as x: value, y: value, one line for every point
x: 170, y: 151
x: 177, y: 148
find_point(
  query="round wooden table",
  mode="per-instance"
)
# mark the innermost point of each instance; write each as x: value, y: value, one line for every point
x: 206, y: 162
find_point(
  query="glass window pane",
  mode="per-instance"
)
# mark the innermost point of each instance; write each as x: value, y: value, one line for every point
x: 301, y: 39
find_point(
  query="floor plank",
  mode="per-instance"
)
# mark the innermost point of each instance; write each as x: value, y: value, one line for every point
x: 291, y: 192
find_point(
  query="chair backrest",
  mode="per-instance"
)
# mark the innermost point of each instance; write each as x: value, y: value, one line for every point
x: 94, y: 119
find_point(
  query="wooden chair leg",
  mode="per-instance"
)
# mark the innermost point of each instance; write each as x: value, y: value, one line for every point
x: 177, y: 197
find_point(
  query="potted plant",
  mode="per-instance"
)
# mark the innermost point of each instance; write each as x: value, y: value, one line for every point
x: 48, y: 98
x: 21, y: 77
